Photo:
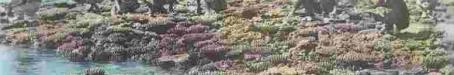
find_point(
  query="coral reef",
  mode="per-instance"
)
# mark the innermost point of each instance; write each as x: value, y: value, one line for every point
x: 238, y: 37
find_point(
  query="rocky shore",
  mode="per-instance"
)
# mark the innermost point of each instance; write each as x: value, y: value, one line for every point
x: 237, y: 37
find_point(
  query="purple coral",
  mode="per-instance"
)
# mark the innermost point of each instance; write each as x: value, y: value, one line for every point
x: 178, y: 29
x: 346, y: 27
x: 341, y: 27
x: 186, y: 36
x: 252, y: 56
x: 201, y: 44
x: 214, y: 51
x: 197, y: 29
x: 224, y: 64
x: 191, y: 38
x: 70, y: 43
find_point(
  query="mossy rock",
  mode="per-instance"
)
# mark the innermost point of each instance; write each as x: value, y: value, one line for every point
x: 436, y: 59
x: 53, y: 14
x: 266, y: 28
x: 258, y: 66
x: 383, y: 45
x: 88, y: 20
x: 17, y: 24
x: 207, y: 19
x: 15, y: 30
x: 341, y: 72
x: 448, y: 70
x: 435, y: 62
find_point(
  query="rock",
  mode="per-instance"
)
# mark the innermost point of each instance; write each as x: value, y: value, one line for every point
x: 393, y: 72
x: 435, y: 73
x: 364, y: 73
x: 117, y: 38
x: 166, y: 64
x: 53, y: 13
x: 94, y: 72
x: 98, y: 55
x: 378, y: 73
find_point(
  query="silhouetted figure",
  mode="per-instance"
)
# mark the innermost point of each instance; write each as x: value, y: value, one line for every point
x: 398, y: 17
x: 128, y: 5
x: 158, y: 5
x: 24, y: 9
x: 123, y: 6
x: 211, y: 5
x: 327, y: 6
x: 93, y: 3
x: 310, y: 6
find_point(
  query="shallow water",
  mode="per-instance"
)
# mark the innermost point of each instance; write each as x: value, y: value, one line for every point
x: 19, y: 61
x: 45, y: 1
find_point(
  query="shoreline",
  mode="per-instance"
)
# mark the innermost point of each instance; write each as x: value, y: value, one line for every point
x: 236, y: 37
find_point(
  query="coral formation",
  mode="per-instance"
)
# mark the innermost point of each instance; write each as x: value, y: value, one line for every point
x: 239, y: 37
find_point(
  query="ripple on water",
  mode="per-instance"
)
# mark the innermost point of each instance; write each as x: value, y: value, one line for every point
x: 16, y: 61
x: 6, y: 64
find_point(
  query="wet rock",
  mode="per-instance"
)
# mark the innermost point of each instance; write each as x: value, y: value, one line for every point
x: 393, y: 72
x: 166, y: 64
x: 99, y: 56
x: 92, y: 71
x: 415, y: 71
x: 208, y: 67
x: 364, y: 73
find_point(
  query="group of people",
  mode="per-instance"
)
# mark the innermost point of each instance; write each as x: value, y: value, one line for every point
x: 26, y: 9
x: 21, y: 9
x: 397, y: 19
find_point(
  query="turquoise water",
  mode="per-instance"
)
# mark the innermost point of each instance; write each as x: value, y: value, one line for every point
x: 44, y: 1
x: 18, y: 61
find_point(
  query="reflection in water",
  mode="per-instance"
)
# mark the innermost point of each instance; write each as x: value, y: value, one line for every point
x: 6, y: 61
x: 16, y: 61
